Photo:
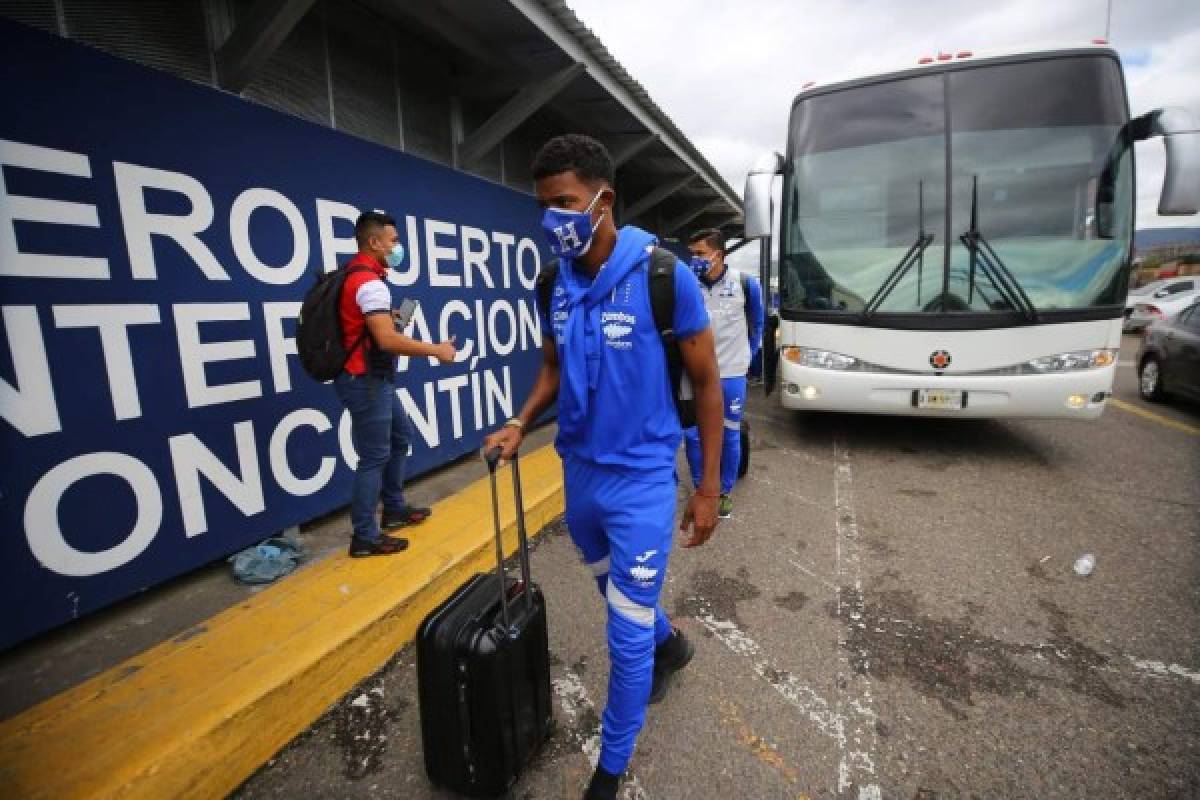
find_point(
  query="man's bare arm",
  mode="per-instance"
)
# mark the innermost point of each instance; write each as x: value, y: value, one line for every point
x: 700, y: 361
x: 383, y: 333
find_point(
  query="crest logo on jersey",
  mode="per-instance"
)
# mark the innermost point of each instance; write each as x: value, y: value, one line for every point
x: 617, y: 327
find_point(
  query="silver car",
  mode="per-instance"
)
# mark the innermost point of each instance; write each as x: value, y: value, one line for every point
x: 1159, y: 301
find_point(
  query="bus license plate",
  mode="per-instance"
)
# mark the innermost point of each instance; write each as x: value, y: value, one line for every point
x: 951, y: 399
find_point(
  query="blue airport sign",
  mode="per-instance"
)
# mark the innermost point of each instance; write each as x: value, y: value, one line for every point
x: 156, y: 239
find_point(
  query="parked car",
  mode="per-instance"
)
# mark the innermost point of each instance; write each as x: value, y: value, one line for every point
x: 1169, y: 358
x: 1162, y: 304
x: 1150, y: 292
x: 1139, y: 294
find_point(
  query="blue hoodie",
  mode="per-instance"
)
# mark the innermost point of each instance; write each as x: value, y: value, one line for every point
x: 615, y: 403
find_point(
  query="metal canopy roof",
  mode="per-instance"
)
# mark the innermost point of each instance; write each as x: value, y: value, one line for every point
x: 549, y: 74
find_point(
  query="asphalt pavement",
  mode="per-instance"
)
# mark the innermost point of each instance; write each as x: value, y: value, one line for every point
x: 890, y: 613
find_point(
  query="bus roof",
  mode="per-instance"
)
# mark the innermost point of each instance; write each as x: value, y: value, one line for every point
x: 956, y: 59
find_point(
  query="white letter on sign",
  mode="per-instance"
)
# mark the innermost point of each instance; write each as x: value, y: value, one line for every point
x: 45, y: 536
x: 477, y: 249
x: 194, y: 354
x: 52, y: 212
x: 437, y: 253
x: 244, y: 206
x: 528, y: 280
x: 279, y: 346
x: 287, y: 480
x: 192, y: 459
x: 113, y: 324
x: 140, y: 224
x: 333, y: 245
x: 30, y: 409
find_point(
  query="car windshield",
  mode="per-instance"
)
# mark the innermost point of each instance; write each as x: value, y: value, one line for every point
x: 1024, y: 148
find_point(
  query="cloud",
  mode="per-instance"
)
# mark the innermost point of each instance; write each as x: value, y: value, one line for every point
x: 726, y: 73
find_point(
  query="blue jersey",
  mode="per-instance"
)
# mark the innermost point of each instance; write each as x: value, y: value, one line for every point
x: 631, y: 422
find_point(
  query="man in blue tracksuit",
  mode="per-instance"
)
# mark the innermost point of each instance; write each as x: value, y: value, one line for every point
x: 618, y: 429
x: 735, y: 307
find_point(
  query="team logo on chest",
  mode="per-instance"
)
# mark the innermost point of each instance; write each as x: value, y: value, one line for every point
x: 618, y: 329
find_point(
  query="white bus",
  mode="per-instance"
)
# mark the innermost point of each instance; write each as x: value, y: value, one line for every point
x: 955, y: 238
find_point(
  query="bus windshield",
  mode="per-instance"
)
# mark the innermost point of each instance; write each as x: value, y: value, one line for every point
x: 892, y: 190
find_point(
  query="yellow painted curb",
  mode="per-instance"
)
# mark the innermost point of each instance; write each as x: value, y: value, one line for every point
x: 195, y: 716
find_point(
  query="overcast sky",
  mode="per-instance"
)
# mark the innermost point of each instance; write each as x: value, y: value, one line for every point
x: 726, y: 72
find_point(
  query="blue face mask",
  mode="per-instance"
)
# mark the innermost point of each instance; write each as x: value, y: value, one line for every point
x: 396, y: 257
x: 700, y: 266
x: 570, y: 232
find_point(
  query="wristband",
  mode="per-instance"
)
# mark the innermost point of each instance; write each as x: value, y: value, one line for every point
x: 706, y: 494
x: 515, y: 423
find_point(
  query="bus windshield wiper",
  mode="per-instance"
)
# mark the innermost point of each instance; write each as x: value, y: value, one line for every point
x: 994, y: 269
x: 914, y: 255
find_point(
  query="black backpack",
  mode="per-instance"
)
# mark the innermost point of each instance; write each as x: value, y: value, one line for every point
x: 662, y: 304
x: 319, y: 340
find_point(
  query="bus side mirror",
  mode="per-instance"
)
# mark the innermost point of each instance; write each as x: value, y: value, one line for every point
x: 758, y: 195
x: 1181, y: 137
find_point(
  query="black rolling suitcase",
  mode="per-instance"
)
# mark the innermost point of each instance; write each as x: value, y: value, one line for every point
x: 483, y: 673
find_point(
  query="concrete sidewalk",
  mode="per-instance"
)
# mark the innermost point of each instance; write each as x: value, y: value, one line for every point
x: 196, y: 713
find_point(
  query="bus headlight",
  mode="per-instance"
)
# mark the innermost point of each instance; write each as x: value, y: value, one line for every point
x: 818, y: 359
x: 1076, y: 360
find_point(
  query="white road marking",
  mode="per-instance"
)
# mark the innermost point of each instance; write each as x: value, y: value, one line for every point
x: 857, y: 741
x: 797, y: 693
x: 574, y: 699
x: 791, y: 493
x: 828, y: 585
x: 1142, y: 667
x: 1162, y: 670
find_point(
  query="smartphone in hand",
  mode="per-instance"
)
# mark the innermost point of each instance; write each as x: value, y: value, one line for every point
x: 403, y: 315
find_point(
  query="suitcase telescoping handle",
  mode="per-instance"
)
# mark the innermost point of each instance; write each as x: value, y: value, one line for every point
x: 492, y: 457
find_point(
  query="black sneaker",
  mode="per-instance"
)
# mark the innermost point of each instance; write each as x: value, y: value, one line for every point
x: 603, y: 786
x: 384, y: 546
x: 671, y: 656
x: 400, y: 518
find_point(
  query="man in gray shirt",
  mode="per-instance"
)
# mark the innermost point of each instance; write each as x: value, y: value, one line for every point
x: 735, y: 308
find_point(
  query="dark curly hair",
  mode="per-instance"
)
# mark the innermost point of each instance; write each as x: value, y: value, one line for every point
x: 574, y: 152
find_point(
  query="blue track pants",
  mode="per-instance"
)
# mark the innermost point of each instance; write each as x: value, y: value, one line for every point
x: 623, y: 529
x: 734, y: 390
